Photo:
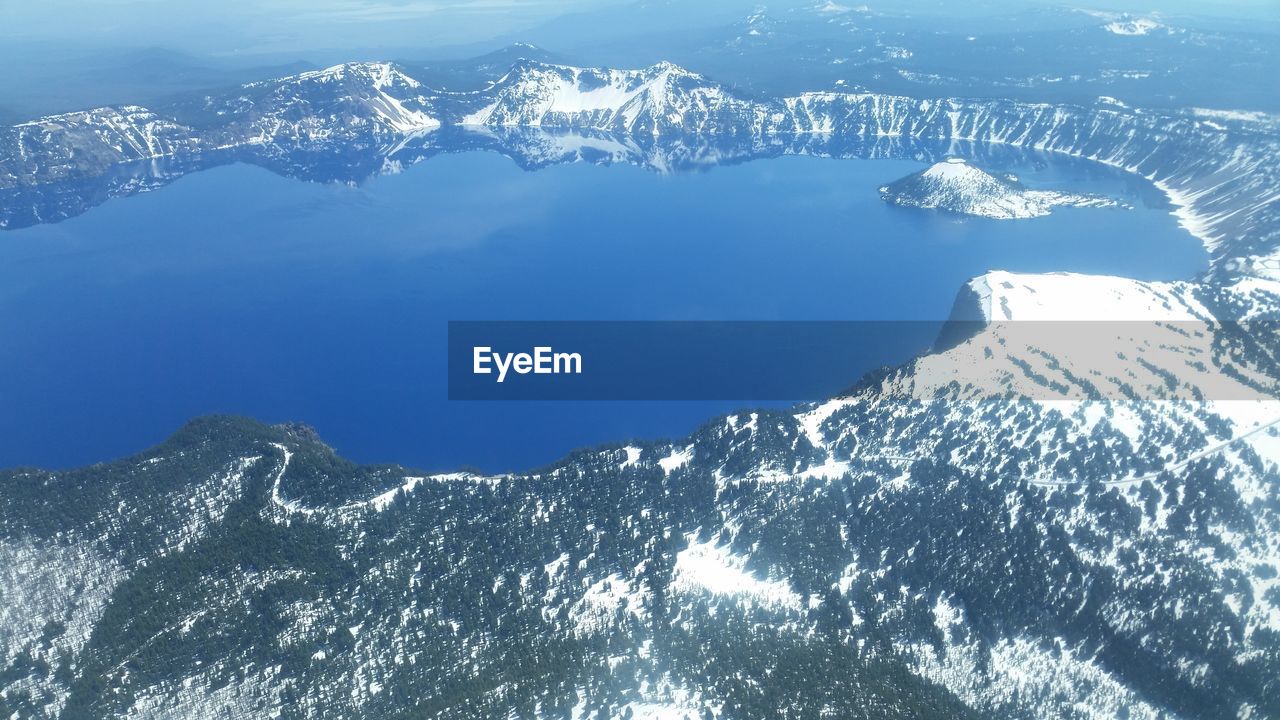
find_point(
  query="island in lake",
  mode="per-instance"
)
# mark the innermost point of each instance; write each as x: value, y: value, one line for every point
x: 955, y: 185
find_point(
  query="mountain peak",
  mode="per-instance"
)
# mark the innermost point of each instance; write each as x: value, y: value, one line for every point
x: 378, y: 74
x: 1130, y: 25
x: 667, y: 67
x: 658, y: 68
x: 361, y: 96
x: 536, y: 93
x: 955, y: 169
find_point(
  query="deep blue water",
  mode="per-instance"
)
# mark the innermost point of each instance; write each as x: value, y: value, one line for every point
x: 236, y: 290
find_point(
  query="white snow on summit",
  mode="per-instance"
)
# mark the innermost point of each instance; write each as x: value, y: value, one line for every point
x: 1126, y: 24
x: 1132, y: 26
x: 374, y: 92
x: 1071, y: 336
x: 830, y: 7
x: 379, y: 74
x: 527, y: 97
x: 538, y: 95
x: 1072, y: 296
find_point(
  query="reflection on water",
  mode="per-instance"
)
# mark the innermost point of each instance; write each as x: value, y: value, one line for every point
x: 530, y: 148
x: 240, y: 289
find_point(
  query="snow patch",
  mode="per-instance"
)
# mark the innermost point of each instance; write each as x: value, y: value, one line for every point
x: 713, y: 569
x: 677, y: 458
x: 1133, y: 26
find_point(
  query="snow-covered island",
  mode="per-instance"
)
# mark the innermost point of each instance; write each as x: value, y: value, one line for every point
x: 956, y: 186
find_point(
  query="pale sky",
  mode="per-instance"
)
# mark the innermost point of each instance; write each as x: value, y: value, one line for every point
x: 283, y: 26
x: 272, y: 25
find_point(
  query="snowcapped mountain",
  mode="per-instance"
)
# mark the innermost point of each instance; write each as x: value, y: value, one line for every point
x: 352, y: 97
x: 1133, y: 26
x: 1128, y: 24
x: 1024, y: 523
x: 330, y: 108
x: 1065, y: 336
x: 88, y: 143
x: 1000, y: 296
x: 651, y: 100
x: 959, y: 187
x: 1098, y: 556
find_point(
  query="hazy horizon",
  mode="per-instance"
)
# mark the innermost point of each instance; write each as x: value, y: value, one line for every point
x: 245, y: 28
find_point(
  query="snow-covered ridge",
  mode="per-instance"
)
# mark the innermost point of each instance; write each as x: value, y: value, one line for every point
x: 1218, y: 168
x: 380, y: 74
x: 1133, y: 26
x: 929, y: 503
x: 960, y: 187
x: 1004, y: 296
x: 354, y: 508
x: 831, y: 7
x: 1241, y: 116
x: 376, y: 95
x: 537, y: 94
x: 91, y: 140
x: 1127, y: 24
x: 1080, y: 338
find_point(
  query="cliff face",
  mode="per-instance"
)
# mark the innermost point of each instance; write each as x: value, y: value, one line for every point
x: 1217, y: 168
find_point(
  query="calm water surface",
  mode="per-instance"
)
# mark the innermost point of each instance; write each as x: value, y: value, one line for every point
x: 236, y: 290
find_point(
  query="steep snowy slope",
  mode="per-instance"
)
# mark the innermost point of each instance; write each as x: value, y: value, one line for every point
x: 349, y: 97
x: 1002, y: 296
